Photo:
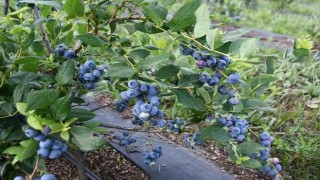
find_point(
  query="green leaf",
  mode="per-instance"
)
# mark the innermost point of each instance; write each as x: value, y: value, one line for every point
x: 300, y: 54
x: 249, y: 48
x: 54, y: 3
x: 26, y: 149
x: 85, y: 139
x: 35, y: 122
x: 205, y: 95
x: 56, y: 127
x: 91, y: 40
x: 60, y: 109
x: 40, y: 99
x: 260, y: 83
x: 256, y: 104
x: 27, y: 60
x: 81, y: 114
x: 187, y: 80
x: 18, y: 92
x: 270, y: 65
x: 74, y: 8
x: 147, y: 27
x: 247, y: 148
x: 188, y: 100
x: 203, y: 21
x: 66, y: 72
x: 139, y: 54
x: 21, y: 107
x: 252, y: 164
x: 65, y: 135
x: 166, y: 3
x: 216, y: 133
x: 121, y: 70
x: 167, y: 72
x: 214, y: 38
x: 184, y: 17
x: 155, y: 12
x: 234, y: 35
x: 153, y: 60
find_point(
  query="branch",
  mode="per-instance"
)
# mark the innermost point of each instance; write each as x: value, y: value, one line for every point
x: 43, y: 34
x: 127, y: 18
x: 116, y: 11
x: 5, y: 7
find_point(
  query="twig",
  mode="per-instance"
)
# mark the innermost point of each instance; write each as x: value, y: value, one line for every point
x: 35, y: 168
x: 127, y: 18
x: 5, y: 7
x: 116, y: 11
x: 43, y: 34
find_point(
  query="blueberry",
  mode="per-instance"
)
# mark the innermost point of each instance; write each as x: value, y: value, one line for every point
x: 19, y: 178
x: 57, y: 144
x: 275, y: 160
x: 96, y: 73
x: 263, y: 157
x: 125, y: 133
x: 90, y: 64
x: 69, y: 54
x: 54, y: 154
x: 83, y: 69
x: 154, y: 111
x: 239, y: 124
x: 162, y: 123
x: 231, y: 134
x: 153, y: 155
x: 133, y: 84
x: 157, y: 149
x: 223, y: 89
x: 160, y: 114
x: 231, y: 93
x: 64, y: 148
x: 46, y: 130
x: 89, y: 85
x: 47, y: 143
x: 153, y: 90
x: 124, y: 95
x: 233, y: 101
x: 244, y: 130
x: 145, y: 155
x: 48, y: 177
x: 236, y: 130
x: 42, y: 152
x: 185, y: 51
x: 241, y: 138
x: 213, y: 81
x: 226, y: 59
x: 196, y: 55
x: 124, y: 142
x: 264, y: 136
x: 132, y: 140
x: 265, y: 143
x: 155, y: 101
x: 204, y: 78
x: 144, y: 87
x: 61, y: 48
x: 211, y: 61
x: 221, y: 64
x: 264, y: 152
x: 147, y: 161
x: 145, y: 107
x: 272, y: 173
x: 276, y: 178
x: 233, y: 78
x: 222, y: 120
x: 30, y: 133
x: 132, y: 93
x: 39, y: 137
x: 266, y: 168
x: 218, y: 75
x: 201, y: 64
x: 228, y: 123
x: 278, y: 167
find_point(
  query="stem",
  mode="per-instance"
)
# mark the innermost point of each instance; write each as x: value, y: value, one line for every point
x: 5, y: 7
x: 80, y: 165
x: 116, y: 11
x: 35, y: 168
x: 43, y: 34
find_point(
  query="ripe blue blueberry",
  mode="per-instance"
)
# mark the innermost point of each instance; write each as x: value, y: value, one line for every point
x: 233, y: 78
x: 241, y: 138
x: 88, y: 77
x: 155, y: 101
x: 132, y: 93
x: 124, y: 142
x: 236, y: 130
x: 204, y: 78
x: 232, y: 135
x: 19, y: 178
x: 48, y: 177
x: 265, y: 143
x: 97, y: 73
x: 30, y: 133
x: 162, y: 123
x: 152, y: 90
x: 228, y: 123
x: 42, y: 152
x: 266, y: 168
x: 83, y: 69
x: 125, y: 133
x: 263, y: 157
x: 145, y: 107
x: 154, y: 111
x: 61, y: 48
x: 244, y: 130
x: 133, y: 84
x: 226, y: 59
x: 264, y: 151
x: 90, y: 64
x: 264, y: 136
x: 185, y: 51
x: 217, y: 74
x: 57, y: 144
x: 64, y: 148
x: 211, y: 61
x: 54, y: 154
x: 69, y: 54
x: 144, y: 87
x: 89, y: 85
x: 233, y: 101
x: 221, y: 64
x: 231, y: 93
x: 39, y: 137
x: 196, y: 55
x: 239, y: 124
x: 278, y: 167
x: 47, y: 143
x: 223, y: 89
x: 132, y: 140
x: 272, y: 173
x: 157, y: 149
x: 46, y: 130
x: 213, y: 81
x: 160, y: 114
x: 124, y: 95
x: 222, y: 120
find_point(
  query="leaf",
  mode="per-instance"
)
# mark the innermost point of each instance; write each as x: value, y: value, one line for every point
x: 81, y: 114
x: 139, y: 54
x: 60, y: 109
x: 203, y: 21
x: 155, y: 12
x: 153, y: 60
x: 252, y: 164
x: 65, y: 135
x: 184, y: 17
x: 247, y: 148
x: 26, y: 149
x: 216, y: 133
x: 91, y: 40
x: 56, y: 127
x: 187, y: 80
x: 249, y: 48
x: 66, y: 72
x: 147, y: 27
x: 35, y: 122
x: 300, y: 54
x: 26, y: 60
x: 260, y: 83
x: 74, y: 8
x: 270, y: 65
x: 167, y: 72
x: 121, y: 70
x: 85, y: 139
x: 205, y: 95
x: 18, y: 92
x: 188, y: 100
x: 40, y: 99
x: 54, y: 3
x: 21, y: 107
x: 256, y: 104
x: 214, y: 38
x: 234, y: 35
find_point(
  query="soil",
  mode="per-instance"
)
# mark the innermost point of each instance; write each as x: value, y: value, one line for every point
x: 208, y: 150
x: 105, y: 163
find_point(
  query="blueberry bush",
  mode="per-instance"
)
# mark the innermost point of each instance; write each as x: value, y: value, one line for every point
x: 174, y: 67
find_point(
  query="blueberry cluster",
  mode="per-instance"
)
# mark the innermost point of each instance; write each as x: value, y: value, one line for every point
x: 89, y: 74
x: 160, y: 123
x: 192, y: 139
x: 175, y: 125
x: 273, y: 168
x: 43, y: 177
x: 237, y: 127
x: 48, y: 148
x: 125, y: 139
x: 146, y: 107
x: 266, y: 139
x: 121, y: 105
x: 203, y: 59
x: 62, y: 50
x: 151, y: 157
